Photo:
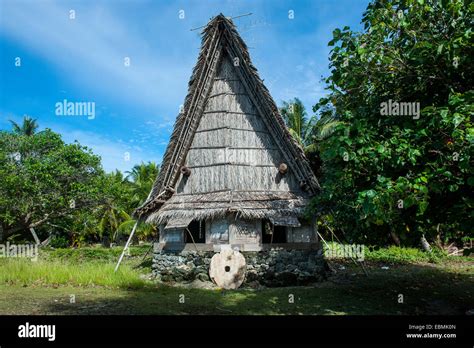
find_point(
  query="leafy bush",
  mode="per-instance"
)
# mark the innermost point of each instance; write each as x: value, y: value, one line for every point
x: 403, y: 255
x: 59, y: 242
x: 85, y: 254
x: 395, y: 254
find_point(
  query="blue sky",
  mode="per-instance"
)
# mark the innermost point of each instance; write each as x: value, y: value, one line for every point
x: 82, y: 60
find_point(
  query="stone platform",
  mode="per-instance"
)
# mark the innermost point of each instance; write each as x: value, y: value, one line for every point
x: 272, y: 268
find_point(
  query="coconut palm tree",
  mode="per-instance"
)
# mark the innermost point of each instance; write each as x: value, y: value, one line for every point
x: 143, y: 171
x: 327, y: 122
x: 28, y: 127
x: 112, y: 217
x: 296, y: 119
x: 325, y: 127
x: 142, y: 176
x: 129, y: 192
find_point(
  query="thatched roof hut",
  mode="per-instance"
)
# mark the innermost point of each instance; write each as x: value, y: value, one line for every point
x: 230, y: 159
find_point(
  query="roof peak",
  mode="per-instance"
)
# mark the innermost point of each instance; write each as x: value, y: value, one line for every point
x: 220, y: 37
x: 219, y: 18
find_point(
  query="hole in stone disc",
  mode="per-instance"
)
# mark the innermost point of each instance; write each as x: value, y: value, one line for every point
x: 227, y: 268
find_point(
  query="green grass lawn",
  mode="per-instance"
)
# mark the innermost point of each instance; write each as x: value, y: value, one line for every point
x: 46, y: 287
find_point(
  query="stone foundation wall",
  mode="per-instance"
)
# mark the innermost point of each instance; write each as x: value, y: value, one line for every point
x: 275, y: 267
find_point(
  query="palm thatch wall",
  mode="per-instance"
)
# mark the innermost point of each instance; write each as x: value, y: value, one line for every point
x: 228, y: 143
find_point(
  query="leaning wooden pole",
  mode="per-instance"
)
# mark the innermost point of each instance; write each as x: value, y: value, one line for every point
x: 126, y: 246
x: 133, y: 232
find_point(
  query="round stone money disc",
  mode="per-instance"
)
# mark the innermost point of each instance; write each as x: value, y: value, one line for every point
x: 227, y: 269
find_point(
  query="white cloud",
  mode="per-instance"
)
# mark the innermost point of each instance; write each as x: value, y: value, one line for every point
x: 112, y: 152
x: 91, y: 50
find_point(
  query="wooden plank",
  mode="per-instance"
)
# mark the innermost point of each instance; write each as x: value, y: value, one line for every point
x: 290, y: 221
x: 172, y: 236
x: 270, y: 165
x: 232, y: 128
x: 245, y: 232
x: 175, y: 223
x: 242, y: 247
x: 218, y: 232
x: 35, y: 236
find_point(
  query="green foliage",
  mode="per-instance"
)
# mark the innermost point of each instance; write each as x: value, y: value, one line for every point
x: 59, y: 242
x: 402, y: 175
x: 142, y: 177
x: 302, y: 129
x: 28, y: 127
x: 87, y: 254
x: 396, y: 254
x: 61, y: 190
x: 88, y: 266
x: 44, y: 179
x: 296, y: 119
x: 403, y: 255
x: 110, y: 220
x: 26, y: 272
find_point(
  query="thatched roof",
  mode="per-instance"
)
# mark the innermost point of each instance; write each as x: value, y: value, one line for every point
x: 256, y: 205
x: 217, y: 90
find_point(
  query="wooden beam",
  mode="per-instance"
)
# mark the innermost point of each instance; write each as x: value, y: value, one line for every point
x: 35, y: 236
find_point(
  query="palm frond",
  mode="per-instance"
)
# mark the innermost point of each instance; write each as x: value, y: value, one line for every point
x: 126, y: 226
x: 28, y: 127
x: 326, y: 129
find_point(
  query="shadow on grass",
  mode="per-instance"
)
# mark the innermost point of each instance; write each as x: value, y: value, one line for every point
x: 424, y: 289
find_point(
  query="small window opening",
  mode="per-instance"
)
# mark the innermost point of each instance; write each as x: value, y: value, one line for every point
x: 272, y: 234
x: 198, y: 232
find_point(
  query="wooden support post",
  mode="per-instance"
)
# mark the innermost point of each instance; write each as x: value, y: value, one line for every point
x: 32, y: 230
x: 329, y: 264
x: 126, y: 246
x: 133, y: 232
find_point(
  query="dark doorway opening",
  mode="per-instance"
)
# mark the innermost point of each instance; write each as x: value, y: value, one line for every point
x: 198, y: 231
x: 273, y: 234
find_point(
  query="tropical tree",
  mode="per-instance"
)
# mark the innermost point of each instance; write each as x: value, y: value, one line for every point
x: 28, y: 127
x: 296, y: 119
x: 327, y: 123
x: 400, y: 176
x: 60, y: 190
x: 113, y: 209
x: 141, y: 177
x: 43, y: 180
x: 110, y: 221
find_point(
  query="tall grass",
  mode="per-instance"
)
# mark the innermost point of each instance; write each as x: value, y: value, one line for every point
x: 397, y: 254
x: 47, y: 272
x: 405, y: 255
